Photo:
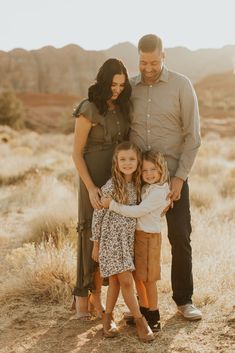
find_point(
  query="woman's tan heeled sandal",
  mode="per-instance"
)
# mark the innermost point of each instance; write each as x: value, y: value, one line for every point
x: 79, y: 315
x: 92, y: 305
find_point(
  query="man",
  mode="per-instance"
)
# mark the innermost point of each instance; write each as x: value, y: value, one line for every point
x: 166, y: 119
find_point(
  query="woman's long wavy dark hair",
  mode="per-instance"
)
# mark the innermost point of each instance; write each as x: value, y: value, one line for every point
x: 100, y: 92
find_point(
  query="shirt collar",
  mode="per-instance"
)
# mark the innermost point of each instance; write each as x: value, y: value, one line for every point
x: 163, y: 77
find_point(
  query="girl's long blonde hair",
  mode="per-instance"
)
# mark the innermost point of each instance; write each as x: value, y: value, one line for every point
x: 159, y: 161
x: 119, y: 182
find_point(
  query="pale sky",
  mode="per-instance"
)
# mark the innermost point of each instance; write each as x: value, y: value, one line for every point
x: 100, y: 24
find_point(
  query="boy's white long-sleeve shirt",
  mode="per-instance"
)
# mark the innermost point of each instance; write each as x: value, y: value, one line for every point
x: 148, y: 212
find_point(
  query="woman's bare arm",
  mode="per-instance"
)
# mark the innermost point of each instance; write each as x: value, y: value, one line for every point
x: 82, y: 129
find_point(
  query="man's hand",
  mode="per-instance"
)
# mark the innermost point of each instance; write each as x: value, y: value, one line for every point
x: 95, y: 251
x: 105, y: 201
x: 176, y: 187
x: 166, y: 208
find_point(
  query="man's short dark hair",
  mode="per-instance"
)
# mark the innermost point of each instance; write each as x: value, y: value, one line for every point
x: 149, y: 43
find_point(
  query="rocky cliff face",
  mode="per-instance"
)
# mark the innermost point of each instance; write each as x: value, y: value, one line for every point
x: 71, y: 69
x: 67, y: 70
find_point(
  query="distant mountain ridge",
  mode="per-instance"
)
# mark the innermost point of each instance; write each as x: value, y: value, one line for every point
x: 72, y: 69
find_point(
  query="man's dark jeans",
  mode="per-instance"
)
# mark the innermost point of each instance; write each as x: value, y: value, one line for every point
x: 179, y: 230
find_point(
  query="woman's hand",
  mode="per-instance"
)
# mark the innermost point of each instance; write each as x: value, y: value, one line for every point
x: 94, y: 196
x: 105, y: 201
x: 95, y: 251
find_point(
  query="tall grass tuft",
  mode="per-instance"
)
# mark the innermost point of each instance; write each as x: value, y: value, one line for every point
x: 44, y: 271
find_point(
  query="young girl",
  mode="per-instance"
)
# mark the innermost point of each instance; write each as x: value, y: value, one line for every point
x: 148, y: 230
x: 113, y: 237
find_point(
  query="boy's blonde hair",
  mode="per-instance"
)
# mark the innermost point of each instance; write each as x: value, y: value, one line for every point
x: 158, y: 159
x: 119, y: 183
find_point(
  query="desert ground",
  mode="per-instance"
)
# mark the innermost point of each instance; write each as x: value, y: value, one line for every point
x: 38, y: 211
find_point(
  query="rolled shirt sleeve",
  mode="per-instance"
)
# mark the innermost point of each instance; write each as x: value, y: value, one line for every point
x: 191, y: 129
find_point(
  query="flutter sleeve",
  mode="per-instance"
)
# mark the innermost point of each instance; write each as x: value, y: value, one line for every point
x: 86, y: 109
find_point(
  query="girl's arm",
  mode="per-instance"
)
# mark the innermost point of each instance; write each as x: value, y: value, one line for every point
x: 156, y: 199
x: 95, y: 251
x: 82, y: 129
x: 97, y: 220
x: 98, y: 215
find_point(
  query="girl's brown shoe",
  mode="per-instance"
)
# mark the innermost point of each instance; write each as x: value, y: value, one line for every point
x: 109, y: 327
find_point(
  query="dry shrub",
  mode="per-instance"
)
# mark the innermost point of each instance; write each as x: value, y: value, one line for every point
x: 19, y: 164
x: 27, y: 139
x: 21, y: 176
x: 68, y: 176
x: 215, y: 147
x: 55, y: 207
x: 213, y: 254
x: 232, y: 172
x: 44, y: 144
x: 55, y: 227
x: 204, y: 168
x: 226, y: 211
x: 22, y: 196
x: 227, y: 187
x: 210, y: 147
x: 55, y: 142
x: 8, y: 131
x: 22, y: 151
x: 45, y: 272
x: 67, y: 122
x: 14, y: 168
x: 211, y: 136
x: 203, y: 194
x: 12, y: 111
x: 231, y: 153
x: 227, y: 149
x: 38, y: 191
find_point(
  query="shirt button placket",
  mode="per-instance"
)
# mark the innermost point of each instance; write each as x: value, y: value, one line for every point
x: 148, y: 125
x: 118, y: 129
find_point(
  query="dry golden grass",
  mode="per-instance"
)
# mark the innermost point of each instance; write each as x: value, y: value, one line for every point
x: 38, y: 205
x: 56, y: 208
x: 47, y: 271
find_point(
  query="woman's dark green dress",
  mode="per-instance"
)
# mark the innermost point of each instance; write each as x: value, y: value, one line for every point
x: 106, y: 132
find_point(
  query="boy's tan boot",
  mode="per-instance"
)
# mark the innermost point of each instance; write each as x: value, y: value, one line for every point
x: 143, y: 330
x: 109, y: 326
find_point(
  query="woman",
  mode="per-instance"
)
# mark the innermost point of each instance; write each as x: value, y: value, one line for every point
x: 102, y: 122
